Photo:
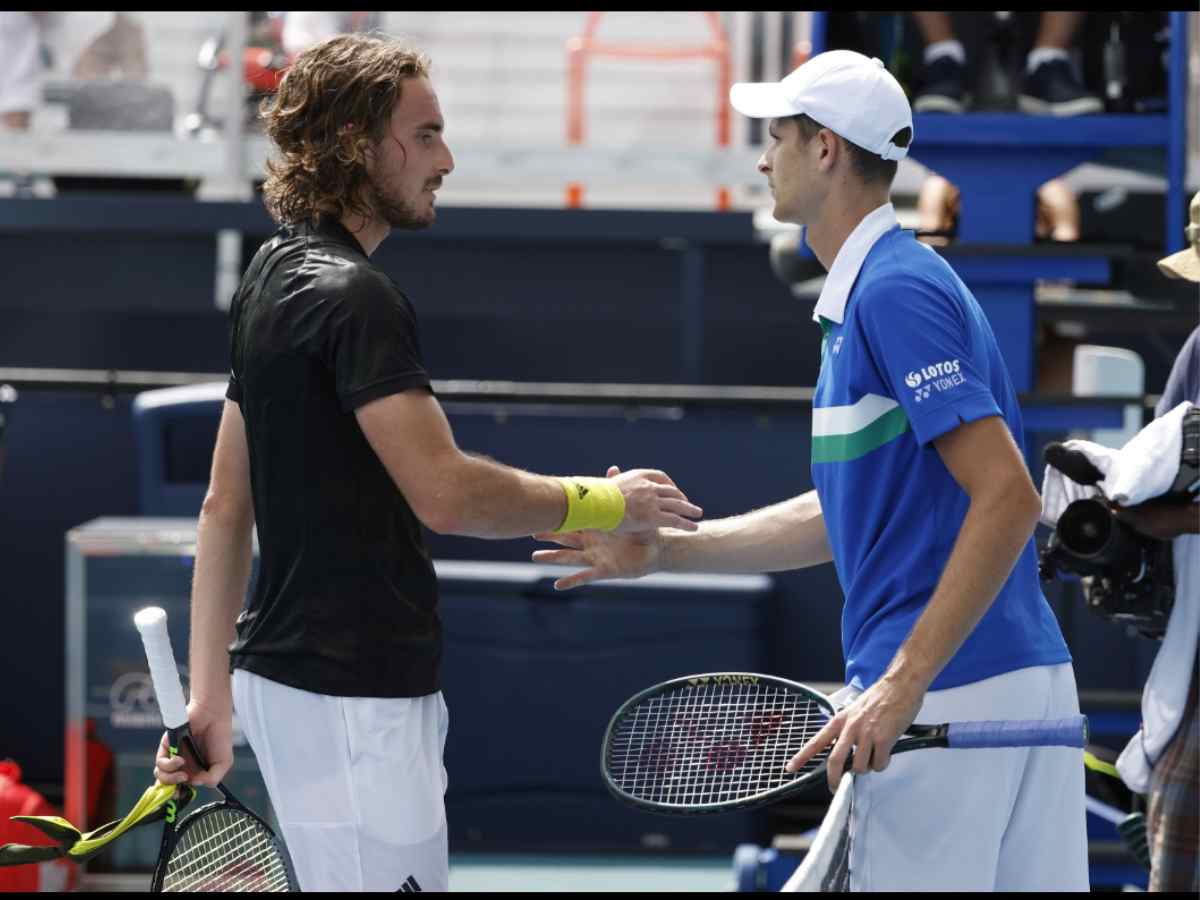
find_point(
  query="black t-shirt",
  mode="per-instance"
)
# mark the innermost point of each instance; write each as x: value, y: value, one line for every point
x: 346, y: 599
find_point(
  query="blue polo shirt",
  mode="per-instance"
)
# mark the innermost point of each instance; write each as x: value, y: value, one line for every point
x: 907, y: 355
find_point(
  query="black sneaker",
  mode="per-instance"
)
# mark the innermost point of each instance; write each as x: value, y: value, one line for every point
x: 945, y: 87
x: 1053, y: 89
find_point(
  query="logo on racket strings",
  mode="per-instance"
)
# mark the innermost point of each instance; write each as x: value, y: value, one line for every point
x: 763, y: 726
x: 701, y: 680
x: 725, y: 757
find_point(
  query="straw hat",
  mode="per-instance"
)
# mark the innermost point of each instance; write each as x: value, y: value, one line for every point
x: 1186, y: 263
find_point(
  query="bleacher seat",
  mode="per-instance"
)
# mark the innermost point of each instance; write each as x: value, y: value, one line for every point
x: 1110, y: 372
x: 174, y: 433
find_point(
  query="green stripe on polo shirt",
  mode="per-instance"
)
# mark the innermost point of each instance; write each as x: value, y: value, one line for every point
x: 843, y: 433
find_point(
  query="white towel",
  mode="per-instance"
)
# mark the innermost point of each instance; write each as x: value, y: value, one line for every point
x: 1141, y: 470
x: 1165, y: 695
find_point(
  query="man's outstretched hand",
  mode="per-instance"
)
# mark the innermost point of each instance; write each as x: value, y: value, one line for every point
x: 605, y: 555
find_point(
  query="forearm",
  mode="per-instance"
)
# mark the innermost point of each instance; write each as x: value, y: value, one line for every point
x: 482, y: 498
x: 1163, y: 520
x: 994, y: 532
x: 1180, y: 519
x: 222, y: 572
x: 787, y: 535
x: 1186, y: 519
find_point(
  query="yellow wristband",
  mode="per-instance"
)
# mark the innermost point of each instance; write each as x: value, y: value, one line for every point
x: 592, y: 503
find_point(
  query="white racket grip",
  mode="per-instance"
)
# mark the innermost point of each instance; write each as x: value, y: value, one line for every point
x: 151, y: 622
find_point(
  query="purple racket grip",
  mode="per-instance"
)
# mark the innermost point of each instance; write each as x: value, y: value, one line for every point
x: 1072, y: 732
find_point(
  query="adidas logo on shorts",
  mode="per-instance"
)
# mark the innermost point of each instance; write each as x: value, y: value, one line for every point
x: 410, y: 886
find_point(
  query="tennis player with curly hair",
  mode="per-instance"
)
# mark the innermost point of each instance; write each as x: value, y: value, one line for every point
x: 333, y: 444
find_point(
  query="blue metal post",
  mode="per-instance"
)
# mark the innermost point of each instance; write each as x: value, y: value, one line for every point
x: 818, y: 32
x: 1004, y: 287
x: 1177, y: 133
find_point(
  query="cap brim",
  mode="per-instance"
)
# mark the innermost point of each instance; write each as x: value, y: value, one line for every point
x: 761, y: 100
x: 1184, y: 264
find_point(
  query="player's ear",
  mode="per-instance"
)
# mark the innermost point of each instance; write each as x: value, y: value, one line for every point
x: 827, y: 149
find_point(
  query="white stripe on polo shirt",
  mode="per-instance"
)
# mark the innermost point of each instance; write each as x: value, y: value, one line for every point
x: 842, y: 433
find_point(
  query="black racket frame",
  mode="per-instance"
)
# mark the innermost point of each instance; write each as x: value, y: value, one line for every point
x: 181, y: 738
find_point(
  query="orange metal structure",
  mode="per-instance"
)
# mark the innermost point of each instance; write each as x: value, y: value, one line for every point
x: 586, y: 45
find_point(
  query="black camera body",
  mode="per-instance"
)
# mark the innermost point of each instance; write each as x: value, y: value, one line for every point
x: 1132, y: 576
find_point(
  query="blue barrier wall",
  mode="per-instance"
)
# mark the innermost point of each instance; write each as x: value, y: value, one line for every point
x: 535, y: 295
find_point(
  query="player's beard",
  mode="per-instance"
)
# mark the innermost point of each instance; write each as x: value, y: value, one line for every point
x: 397, y: 212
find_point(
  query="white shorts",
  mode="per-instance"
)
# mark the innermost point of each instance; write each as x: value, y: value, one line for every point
x: 20, y: 62
x: 978, y: 820
x: 357, y: 784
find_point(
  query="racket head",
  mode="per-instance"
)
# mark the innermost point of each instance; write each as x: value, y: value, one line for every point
x: 712, y: 743
x: 223, y: 847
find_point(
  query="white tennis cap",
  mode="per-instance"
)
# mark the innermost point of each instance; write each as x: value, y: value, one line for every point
x: 852, y: 95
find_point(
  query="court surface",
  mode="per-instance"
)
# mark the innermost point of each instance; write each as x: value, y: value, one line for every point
x: 537, y: 874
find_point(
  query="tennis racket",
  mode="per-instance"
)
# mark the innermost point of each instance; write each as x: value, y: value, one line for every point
x: 219, y: 847
x: 719, y: 742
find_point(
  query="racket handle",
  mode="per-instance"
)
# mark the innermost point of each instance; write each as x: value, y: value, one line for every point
x: 1071, y: 732
x: 151, y: 622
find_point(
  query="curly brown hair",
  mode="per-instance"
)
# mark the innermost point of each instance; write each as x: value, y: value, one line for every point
x: 353, y: 80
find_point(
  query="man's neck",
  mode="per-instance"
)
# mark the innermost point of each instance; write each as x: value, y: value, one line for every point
x: 838, y: 219
x: 368, y: 232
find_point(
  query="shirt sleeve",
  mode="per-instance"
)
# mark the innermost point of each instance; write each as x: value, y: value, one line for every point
x: 916, y: 331
x: 1184, y: 381
x: 234, y: 390
x: 372, y: 345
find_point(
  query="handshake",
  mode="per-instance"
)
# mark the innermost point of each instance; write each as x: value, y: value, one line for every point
x: 634, y: 548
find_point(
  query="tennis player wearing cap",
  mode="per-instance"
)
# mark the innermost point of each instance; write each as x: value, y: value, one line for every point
x: 924, y: 505
x: 332, y: 441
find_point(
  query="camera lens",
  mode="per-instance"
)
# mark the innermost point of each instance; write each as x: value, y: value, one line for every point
x: 1096, y: 542
x: 1085, y: 527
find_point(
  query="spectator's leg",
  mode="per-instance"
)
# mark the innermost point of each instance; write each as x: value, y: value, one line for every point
x: 1058, y: 29
x: 945, y: 65
x: 937, y: 210
x: 1052, y: 86
x: 16, y: 119
x: 935, y: 27
x: 1057, y: 212
x: 117, y: 52
x: 20, y: 69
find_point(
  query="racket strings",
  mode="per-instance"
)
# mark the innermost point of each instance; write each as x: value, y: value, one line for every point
x: 249, y: 871
x: 713, y: 743
x: 225, y: 851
